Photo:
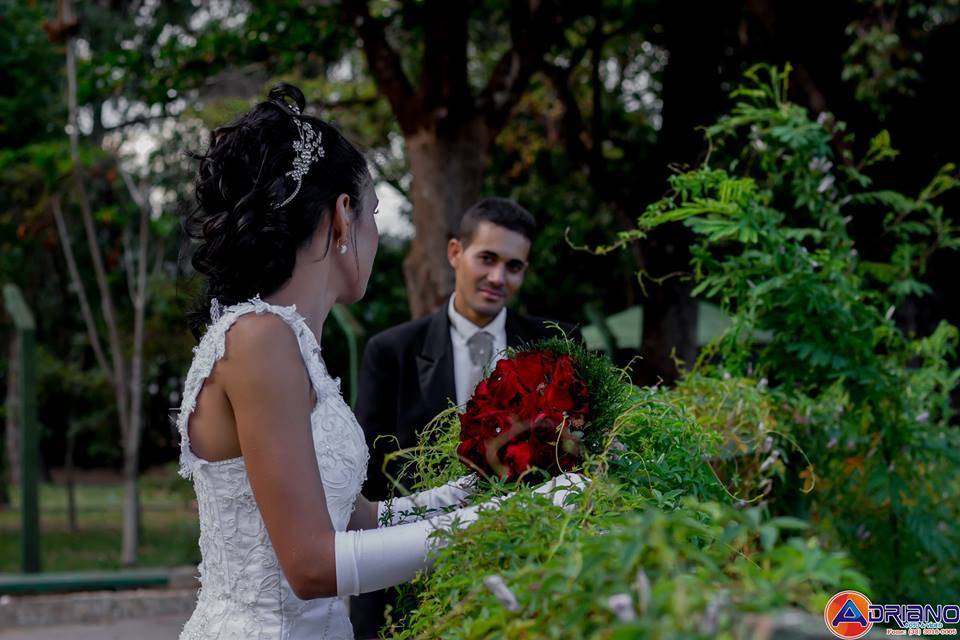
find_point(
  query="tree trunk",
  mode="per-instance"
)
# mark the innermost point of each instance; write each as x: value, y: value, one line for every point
x: 691, y: 98
x: 669, y: 332
x: 447, y: 172
x: 70, y: 479
x: 131, y: 507
x: 127, y: 392
x: 448, y: 131
x: 131, y: 441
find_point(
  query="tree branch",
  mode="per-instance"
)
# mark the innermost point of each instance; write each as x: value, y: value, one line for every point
x: 384, y: 64
x: 138, y: 120
x: 103, y: 284
x: 596, y: 41
x: 532, y: 34
x: 139, y: 312
x: 347, y: 103
x: 572, y: 119
x: 67, y: 245
x: 443, y: 75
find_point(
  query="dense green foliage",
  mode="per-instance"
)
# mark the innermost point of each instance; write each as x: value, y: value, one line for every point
x: 868, y: 403
x: 655, y: 547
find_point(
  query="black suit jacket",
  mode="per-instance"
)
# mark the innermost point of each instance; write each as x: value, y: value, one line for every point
x: 407, y: 378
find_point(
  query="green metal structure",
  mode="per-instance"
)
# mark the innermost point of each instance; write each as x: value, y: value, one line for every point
x: 354, y: 333
x: 27, y: 423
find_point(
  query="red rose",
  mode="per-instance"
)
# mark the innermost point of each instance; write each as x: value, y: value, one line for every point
x: 521, y: 416
x: 519, y: 457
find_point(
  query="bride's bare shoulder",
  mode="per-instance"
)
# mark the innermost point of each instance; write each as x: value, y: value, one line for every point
x: 264, y: 347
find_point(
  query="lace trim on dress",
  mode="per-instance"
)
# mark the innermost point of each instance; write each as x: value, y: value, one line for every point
x: 211, y: 349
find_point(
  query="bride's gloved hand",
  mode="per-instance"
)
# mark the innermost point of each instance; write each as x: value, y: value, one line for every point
x: 372, y: 559
x: 418, y: 506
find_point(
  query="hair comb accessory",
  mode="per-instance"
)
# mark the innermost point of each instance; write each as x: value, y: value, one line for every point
x: 308, y: 150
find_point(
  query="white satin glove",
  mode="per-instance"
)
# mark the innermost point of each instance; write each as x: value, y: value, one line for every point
x: 418, y: 506
x: 373, y: 559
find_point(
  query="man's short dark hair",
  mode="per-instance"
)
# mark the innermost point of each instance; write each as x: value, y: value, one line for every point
x: 502, y: 212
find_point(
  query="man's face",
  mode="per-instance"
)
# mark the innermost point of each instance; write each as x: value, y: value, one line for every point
x: 489, y: 270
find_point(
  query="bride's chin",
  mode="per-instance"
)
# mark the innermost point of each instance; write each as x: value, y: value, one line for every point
x: 352, y: 296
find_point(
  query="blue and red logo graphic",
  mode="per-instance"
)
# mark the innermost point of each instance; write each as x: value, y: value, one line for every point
x: 847, y: 615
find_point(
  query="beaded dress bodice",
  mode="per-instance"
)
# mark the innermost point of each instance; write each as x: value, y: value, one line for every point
x: 244, y: 593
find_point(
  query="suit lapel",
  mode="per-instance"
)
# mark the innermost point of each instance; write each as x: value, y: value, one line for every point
x: 517, y: 330
x: 435, y: 364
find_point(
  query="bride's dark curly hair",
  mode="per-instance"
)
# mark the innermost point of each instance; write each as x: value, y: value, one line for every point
x: 245, y: 245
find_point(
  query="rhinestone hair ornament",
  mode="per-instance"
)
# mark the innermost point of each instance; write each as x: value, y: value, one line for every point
x: 308, y: 150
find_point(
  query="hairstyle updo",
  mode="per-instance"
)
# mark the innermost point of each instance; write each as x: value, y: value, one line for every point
x: 245, y: 244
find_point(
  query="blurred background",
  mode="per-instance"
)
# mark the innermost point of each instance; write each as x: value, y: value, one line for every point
x: 578, y: 110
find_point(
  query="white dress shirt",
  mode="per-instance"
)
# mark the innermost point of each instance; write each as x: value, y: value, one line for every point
x: 461, y: 330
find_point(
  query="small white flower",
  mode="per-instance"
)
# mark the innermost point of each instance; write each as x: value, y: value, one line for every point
x: 622, y: 606
x: 820, y: 165
x: 889, y: 313
x: 923, y: 417
x: 769, y: 461
x: 825, y: 184
x: 642, y: 585
x: 710, y: 618
x: 502, y: 592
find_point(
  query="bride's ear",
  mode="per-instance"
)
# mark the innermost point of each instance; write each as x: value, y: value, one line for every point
x: 342, y: 218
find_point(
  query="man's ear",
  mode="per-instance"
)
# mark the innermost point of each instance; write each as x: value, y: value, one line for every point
x: 342, y: 217
x: 454, y: 251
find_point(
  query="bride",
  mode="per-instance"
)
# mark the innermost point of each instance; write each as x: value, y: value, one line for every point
x: 284, y: 229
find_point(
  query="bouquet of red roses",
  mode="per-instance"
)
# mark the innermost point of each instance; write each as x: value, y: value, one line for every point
x: 531, y: 411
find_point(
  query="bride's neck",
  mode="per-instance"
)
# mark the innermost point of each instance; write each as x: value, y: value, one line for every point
x: 313, y: 300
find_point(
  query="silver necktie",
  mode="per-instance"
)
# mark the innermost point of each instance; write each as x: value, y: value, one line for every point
x: 481, y: 352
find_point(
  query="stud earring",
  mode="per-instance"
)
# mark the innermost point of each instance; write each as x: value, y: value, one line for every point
x: 342, y: 248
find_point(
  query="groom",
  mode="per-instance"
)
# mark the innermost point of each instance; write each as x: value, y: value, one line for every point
x: 412, y: 372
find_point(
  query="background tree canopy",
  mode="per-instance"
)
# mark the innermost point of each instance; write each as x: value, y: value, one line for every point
x: 580, y: 111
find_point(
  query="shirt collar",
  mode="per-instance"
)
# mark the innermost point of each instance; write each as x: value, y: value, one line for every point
x: 465, y: 328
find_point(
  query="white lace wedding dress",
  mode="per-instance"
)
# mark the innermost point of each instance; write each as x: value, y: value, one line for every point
x: 244, y: 594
